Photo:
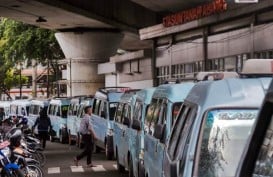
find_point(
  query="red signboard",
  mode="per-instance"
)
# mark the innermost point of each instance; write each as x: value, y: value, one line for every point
x: 195, y: 13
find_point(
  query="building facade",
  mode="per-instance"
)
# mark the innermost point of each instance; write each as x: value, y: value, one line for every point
x: 219, y: 40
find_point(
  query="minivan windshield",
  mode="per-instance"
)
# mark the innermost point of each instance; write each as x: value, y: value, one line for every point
x: 223, y: 138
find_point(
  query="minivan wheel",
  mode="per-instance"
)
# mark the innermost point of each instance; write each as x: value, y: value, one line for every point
x: 69, y: 138
x: 109, y: 155
x: 131, y: 168
x: 120, y: 167
x: 51, y: 138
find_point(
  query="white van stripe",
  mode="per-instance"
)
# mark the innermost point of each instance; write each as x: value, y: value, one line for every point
x: 54, y: 170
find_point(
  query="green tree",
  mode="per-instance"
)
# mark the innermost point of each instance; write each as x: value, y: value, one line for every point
x: 21, y: 42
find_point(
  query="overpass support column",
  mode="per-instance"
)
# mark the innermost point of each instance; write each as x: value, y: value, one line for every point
x: 84, y: 50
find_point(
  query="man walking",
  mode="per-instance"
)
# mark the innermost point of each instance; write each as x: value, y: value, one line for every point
x: 88, y: 138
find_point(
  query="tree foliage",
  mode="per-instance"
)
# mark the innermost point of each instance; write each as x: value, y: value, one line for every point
x: 21, y: 42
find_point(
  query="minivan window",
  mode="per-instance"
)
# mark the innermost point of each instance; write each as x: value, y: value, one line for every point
x: 127, y: 110
x: 176, y: 131
x: 112, y: 110
x: 175, y: 111
x: 222, y: 140
x: 264, y: 161
x: 138, y: 111
x: 103, y: 109
x: 154, y: 118
x: 64, y: 109
x: 97, y: 106
x: 119, y: 112
x: 51, y: 110
x: 13, y: 109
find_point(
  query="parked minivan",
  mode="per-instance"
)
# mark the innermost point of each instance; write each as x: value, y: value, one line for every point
x: 104, y: 108
x: 57, y: 112
x: 257, y: 159
x: 19, y: 108
x: 34, y: 111
x: 122, y: 123
x: 88, y: 101
x: 73, y: 117
x: 136, y: 131
x: 5, y: 105
x: 212, y: 128
x: 165, y: 103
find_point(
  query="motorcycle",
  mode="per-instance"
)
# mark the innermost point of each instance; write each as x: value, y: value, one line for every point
x: 9, y: 168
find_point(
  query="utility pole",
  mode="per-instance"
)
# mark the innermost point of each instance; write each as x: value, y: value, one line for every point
x: 34, y: 78
x: 20, y: 79
x: 47, y: 80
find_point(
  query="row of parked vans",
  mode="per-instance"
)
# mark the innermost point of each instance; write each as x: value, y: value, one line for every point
x: 207, y: 127
x: 198, y: 128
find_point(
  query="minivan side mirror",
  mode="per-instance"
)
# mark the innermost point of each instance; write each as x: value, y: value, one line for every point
x: 159, y: 131
x: 136, y: 124
x: 126, y: 121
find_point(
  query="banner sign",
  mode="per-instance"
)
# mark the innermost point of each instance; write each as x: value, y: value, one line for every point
x: 195, y: 13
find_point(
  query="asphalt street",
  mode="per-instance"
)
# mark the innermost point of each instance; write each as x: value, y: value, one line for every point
x: 60, y: 163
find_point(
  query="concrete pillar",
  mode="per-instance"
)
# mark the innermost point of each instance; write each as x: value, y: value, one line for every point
x: 84, y: 51
x: 34, y: 77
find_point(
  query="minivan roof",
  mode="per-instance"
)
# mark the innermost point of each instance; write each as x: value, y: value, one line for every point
x: 64, y: 101
x: 146, y: 95
x: 233, y: 92
x: 110, y: 96
x: 39, y: 102
x: 20, y: 102
x: 127, y: 97
x: 173, y: 92
x: 5, y: 103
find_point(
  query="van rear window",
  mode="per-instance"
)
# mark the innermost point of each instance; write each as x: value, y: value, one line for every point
x: 223, y: 138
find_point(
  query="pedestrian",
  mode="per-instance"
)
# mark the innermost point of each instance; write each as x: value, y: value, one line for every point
x: 88, y: 138
x: 44, y: 126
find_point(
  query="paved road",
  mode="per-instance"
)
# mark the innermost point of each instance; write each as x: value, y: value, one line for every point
x: 60, y: 163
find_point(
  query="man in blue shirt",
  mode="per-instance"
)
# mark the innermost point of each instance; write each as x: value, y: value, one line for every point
x: 88, y: 138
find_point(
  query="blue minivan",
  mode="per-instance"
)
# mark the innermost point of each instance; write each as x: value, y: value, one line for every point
x: 122, y: 123
x: 57, y: 112
x: 88, y: 101
x: 136, y: 131
x: 213, y: 126
x: 257, y: 159
x: 160, y: 117
x: 73, y: 120
x: 104, y: 108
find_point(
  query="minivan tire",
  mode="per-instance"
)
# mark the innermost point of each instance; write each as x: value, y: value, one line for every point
x: 109, y: 155
x: 131, y: 168
x: 120, y: 167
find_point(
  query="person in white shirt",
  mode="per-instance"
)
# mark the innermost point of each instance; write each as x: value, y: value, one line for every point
x: 88, y: 138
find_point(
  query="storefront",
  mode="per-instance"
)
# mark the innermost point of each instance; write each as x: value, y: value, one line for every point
x: 220, y: 38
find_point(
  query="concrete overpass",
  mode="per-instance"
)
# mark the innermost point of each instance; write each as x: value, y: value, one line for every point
x: 89, y: 32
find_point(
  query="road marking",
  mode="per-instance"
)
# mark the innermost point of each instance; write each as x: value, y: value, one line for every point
x: 115, y: 166
x: 54, y: 170
x: 75, y: 169
x: 98, y: 168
